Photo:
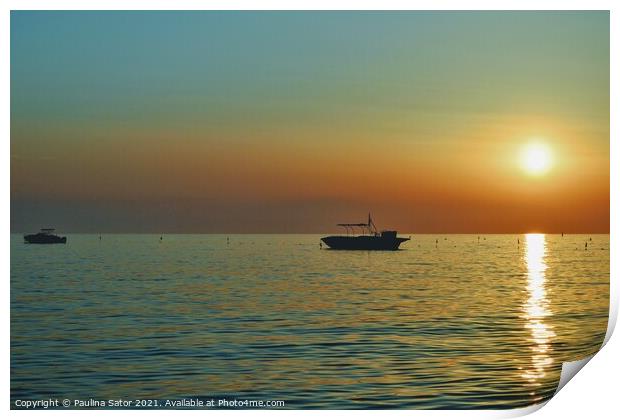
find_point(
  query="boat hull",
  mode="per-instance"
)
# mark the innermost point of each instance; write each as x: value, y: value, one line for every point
x: 363, y: 243
x: 45, y: 239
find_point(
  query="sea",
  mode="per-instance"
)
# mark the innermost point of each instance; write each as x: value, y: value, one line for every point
x: 448, y: 322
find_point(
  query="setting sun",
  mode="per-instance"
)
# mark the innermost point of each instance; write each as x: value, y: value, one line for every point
x: 536, y: 158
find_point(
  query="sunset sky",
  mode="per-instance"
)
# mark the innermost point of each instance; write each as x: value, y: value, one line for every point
x: 233, y: 122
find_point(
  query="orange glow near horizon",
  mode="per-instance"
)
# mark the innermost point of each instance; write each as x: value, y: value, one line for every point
x: 440, y: 187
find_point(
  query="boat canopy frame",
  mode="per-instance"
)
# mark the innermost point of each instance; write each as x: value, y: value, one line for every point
x: 370, y: 225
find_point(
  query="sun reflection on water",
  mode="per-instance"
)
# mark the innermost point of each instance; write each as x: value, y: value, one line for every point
x: 536, y: 308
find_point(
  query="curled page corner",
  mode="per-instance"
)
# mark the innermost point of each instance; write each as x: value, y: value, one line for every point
x: 570, y: 369
x: 613, y: 314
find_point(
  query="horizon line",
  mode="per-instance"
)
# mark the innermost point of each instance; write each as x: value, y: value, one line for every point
x: 316, y: 233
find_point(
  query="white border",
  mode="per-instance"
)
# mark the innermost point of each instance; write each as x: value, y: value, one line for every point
x: 592, y: 395
x: 310, y: 5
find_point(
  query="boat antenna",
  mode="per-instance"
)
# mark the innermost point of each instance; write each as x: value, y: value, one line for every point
x: 371, y: 226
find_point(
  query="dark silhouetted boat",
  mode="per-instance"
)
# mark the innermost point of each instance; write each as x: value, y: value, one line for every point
x: 46, y: 236
x: 374, y: 240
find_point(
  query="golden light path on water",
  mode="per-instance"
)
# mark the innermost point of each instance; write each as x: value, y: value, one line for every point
x: 536, y: 308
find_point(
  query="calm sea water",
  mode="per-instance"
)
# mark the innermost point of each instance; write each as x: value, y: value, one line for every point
x: 460, y: 323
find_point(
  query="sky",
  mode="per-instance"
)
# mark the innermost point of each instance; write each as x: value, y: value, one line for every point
x: 291, y: 122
